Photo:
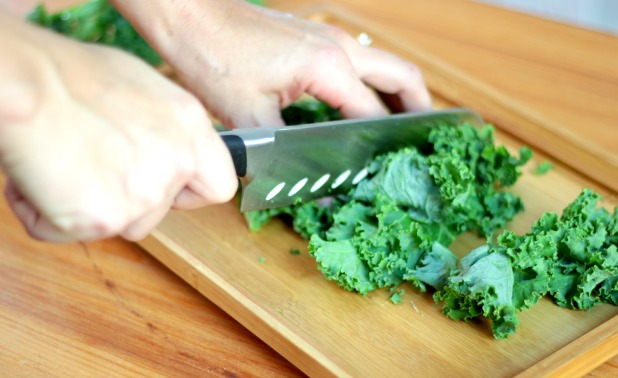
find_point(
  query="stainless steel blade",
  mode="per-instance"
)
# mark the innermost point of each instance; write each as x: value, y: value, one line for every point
x: 312, y: 161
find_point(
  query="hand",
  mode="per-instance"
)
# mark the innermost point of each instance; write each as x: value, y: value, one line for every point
x: 247, y: 62
x: 95, y: 143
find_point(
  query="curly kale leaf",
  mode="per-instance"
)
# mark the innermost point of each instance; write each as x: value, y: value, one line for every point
x: 340, y: 261
x: 403, y: 177
x: 586, y: 272
x: 308, y: 218
x: 470, y: 171
x: 96, y: 21
x: 482, y: 284
x: 574, y: 259
x: 385, y: 247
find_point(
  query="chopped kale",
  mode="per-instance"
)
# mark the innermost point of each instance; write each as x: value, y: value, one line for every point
x: 396, y: 225
x: 543, y: 167
x: 96, y: 21
x: 573, y: 259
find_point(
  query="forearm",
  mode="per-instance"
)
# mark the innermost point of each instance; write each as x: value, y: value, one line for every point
x: 161, y: 22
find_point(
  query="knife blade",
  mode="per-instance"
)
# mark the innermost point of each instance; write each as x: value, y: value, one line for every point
x: 279, y: 166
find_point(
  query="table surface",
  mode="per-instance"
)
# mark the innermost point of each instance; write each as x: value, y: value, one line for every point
x: 109, y: 308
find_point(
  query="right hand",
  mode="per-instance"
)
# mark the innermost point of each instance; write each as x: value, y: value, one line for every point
x: 95, y: 143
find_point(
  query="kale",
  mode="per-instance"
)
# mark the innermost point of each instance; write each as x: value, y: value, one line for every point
x: 543, y: 167
x: 96, y: 21
x: 309, y: 111
x: 572, y: 259
x: 396, y: 226
x: 399, y: 221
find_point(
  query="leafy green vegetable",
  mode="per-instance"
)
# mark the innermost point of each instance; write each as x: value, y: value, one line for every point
x: 309, y: 111
x: 573, y: 259
x: 396, y: 296
x: 543, y: 168
x: 396, y: 225
x: 307, y: 218
x: 96, y: 21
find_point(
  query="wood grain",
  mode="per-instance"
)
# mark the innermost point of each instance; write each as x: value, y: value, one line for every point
x: 110, y: 309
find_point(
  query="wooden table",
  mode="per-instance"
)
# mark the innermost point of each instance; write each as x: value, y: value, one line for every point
x: 110, y: 309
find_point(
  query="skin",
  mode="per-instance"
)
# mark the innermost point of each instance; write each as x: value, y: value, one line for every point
x: 95, y: 143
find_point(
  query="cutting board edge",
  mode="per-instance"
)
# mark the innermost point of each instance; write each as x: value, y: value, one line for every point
x: 256, y: 321
x: 561, y: 363
x: 595, y: 346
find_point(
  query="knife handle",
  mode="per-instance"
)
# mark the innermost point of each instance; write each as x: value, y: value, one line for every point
x: 238, y: 150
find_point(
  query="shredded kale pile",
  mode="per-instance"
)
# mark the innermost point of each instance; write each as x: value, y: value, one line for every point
x: 397, y: 224
x: 572, y: 258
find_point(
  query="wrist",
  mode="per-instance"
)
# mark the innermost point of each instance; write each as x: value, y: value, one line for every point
x: 168, y: 25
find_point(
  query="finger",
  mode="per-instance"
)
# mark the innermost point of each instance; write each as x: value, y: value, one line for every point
x: 259, y: 111
x: 392, y: 75
x: 215, y: 179
x: 141, y: 227
x: 35, y: 225
x: 336, y: 82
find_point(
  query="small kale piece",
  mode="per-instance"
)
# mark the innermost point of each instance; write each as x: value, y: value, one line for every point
x: 309, y: 111
x: 380, y: 245
x: 543, y: 167
x: 308, y: 218
x: 340, y: 261
x: 396, y: 296
x: 96, y: 21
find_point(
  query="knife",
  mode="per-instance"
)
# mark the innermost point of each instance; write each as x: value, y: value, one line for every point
x: 279, y: 166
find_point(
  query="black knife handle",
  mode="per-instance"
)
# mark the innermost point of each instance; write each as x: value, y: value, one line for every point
x: 238, y: 150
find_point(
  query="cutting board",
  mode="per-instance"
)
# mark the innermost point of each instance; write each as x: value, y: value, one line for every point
x: 326, y: 331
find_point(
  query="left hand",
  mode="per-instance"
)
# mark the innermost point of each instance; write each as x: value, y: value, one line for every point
x: 247, y: 62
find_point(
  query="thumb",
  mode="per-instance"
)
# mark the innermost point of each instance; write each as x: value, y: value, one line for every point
x: 214, y: 180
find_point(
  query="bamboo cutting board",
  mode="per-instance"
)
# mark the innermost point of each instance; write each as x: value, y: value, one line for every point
x: 325, y: 330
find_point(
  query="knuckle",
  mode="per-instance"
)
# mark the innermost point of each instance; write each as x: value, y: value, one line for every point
x: 339, y: 35
x: 413, y: 72
x: 92, y: 224
x: 331, y: 56
x: 188, y: 110
x: 134, y: 234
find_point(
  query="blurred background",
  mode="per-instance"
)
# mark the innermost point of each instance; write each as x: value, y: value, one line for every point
x: 601, y: 15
